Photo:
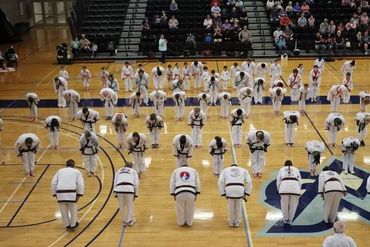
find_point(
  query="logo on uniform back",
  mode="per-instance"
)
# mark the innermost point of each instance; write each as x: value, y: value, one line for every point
x: 234, y: 172
x: 309, y: 214
x: 184, y: 175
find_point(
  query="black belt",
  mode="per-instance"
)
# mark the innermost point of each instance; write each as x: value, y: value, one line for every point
x: 184, y: 186
x: 234, y: 184
x: 290, y: 178
x: 332, y: 180
x: 124, y: 183
x: 66, y: 191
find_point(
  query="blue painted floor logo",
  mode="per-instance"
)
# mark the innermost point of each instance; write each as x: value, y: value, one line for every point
x: 309, y: 216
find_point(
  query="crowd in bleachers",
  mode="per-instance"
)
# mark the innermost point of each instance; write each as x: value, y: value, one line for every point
x: 325, y: 26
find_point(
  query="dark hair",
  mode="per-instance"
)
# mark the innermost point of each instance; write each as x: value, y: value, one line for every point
x: 70, y: 163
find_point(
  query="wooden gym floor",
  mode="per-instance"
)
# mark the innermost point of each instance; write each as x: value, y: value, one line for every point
x: 29, y: 214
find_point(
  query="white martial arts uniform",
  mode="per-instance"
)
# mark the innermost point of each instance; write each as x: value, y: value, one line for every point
x: 349, y: 153
x: 348, y: 83
x: 225, y: 78
x: 72, y: 98
x: 135, y: 102
x: 245, y: 99
x: 331, y: 128
x: 233, y: 70
x: 311, y: 147
x: 332, y: 187
x: 67, y: 186
x: 290, y: 126
x: 236, y: 122
x: 89, y: 120
x: 258, y: 89
x: 240, y: 82
x: 363, y: 95
x: 177, y: 86
x: 176, y: 72
x: 196, y: 72
x: 158, y: 97
x: 120, y: 126
x: 213, y: 87
x: 53, y: 130
x: 277, y: 100
x: 126, y: 187
x: 249, y: 68
x: 85, y: 76
x: 320, y: 62
x: 275, y: 73
x: 315, y: 82
x: 59, y: 88
x: 361, y: 123
x: 204, y: 102
x: 179, y: 104
x: 294, y: 82
x: 169, y: 76
x: 303, y: 95
x: 182, y: 152
x: 206, y: 75
x: 339, y: 240
x: 217, y: 155
x: 235, y: 184
x: 347, y: 68
x: 258, y: 149
x: 137, y: 149
x: 335, y: 94
x: 158, y: 80
x: 89, y: 150
x: 33, y: 105
x: 27, y: 154
x: 224, y: 104
x: 196, y: 122
x: 185, y: 72
x: 127, y: 76
x: 64, y: 73
x: 261, y: 72
x: 110, y: 99
x: 288, y: 183
x: 185, y: 186
x: 142, y: 84
x: 154, y: 127
x: 104, y: 74
x: 113, y: 84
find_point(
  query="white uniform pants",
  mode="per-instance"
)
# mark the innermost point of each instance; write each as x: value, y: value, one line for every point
x: 236, y: 133
x: 258, y: 161
x: 276, y: 104
x: 203, y: 106
x: 273, y: 78
x: 224, y: 110
x: 289, y: 204
x: 121, y: 138
x: 333, y: 131
x: 138, y: 162
x: 126, y: 206
x: 180, y: 110
x: 158, y: 83
x: 68, y: 211
x: 61, y: 100
x: 314, y: 91
x: 186, y: 83
x: 33, y: 111
x: 85, y: 82
x: 73, y: 108
x: 196, y: 135
x: 185, y: 207
x: 331, y: 205
x: 159, y: 108
x: 197, y: 80
x: 109, y: 108
x: 234, y: 211
x: 362, y: 134
x: 302, y: 104
x: 28, y: 161
x: 311, y: 163
x: 90, y: 162
x: 154, y: 135
x: 346, y: 97
x: 213, y: 94
x: 334, y: 104
x: 128, y: 84
x: 136, y: 109
x: 294, y: 94
x: 258, y: 97
x: 225, y: 84
x: 290, y: 133
x: 246, y: 107
x: 348, y: 158
x: 144, y: 92
x: 218, y: 163
x: 181, y: 159
x: 89, y: 127
x: 54, y: 138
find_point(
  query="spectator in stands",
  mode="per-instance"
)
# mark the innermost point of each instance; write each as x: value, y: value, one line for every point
x: 191, y: 42
x: 239, y: 4
x: 277, y: 33
x: 305, y: 9
x: 218, y: 2
x: 302, y: 22
x: 365, y: 41
x: 85, y: 44
x: 297, y: 9
x: 339, y: 41
x: 235, y: 29
x: 324, y: 27
x: 208, y: 40
x: 208, y: 23
x: 346, y: 3
x: 320, y: 46
x: 275, y: 16
x: 75, y: 45
x: 357, y: 41
x: 289, y: 9
x: 217, y: 34
x: 270, y: 5
x: 364, y: 4
x: 162, y: 47
x: 364, y: 22
x: 311, y: 22
x: 328, y: 42
x: 285, y: 20
x: 351, y: 28
x: 163, y: 20
x: 243, y: 18
x: 234, y: 15
x: 340, y: 27
x: 157, y: 21
x: 332, y: 27
x: 173, y: 7
x: 226, y: 28
x: 217, y: 20
x: 281, y: 45
x: 145, y: 26
x: 289, y: 37
x: 245, y: 38
x: 173, y: 23
x: 215, y: 10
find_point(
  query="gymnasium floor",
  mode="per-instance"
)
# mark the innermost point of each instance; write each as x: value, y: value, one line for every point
x: 29, y: 214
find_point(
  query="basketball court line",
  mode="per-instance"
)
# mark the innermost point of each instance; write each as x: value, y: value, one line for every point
x: 122, y: 236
